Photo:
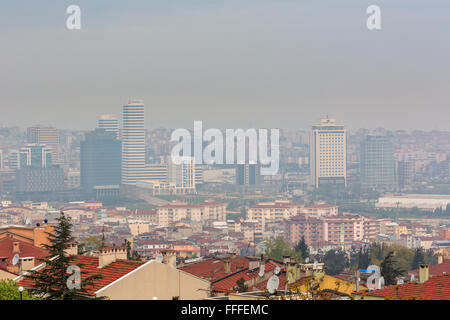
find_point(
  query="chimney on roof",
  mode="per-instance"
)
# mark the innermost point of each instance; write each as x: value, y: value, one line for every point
x: 72, y: 249
x: 111, y: 254
x: 16, y: 247
x: 26, y: 264
x: 440, y: 259
x: 423, y: 273
x: 227, y: 266
x: 253, y: 263
x: 169, y: 257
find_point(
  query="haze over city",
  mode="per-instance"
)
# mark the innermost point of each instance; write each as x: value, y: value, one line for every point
x: 228, y: 63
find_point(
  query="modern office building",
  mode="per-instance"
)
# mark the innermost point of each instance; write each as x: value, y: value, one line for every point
x: 156, y: 172
x: 377, y: 163
x: 109, y: 123
x: 35, y: 171
x: 328, y: 153
x: 35, y: 156
x: 73, y: 179
x: 30, y: 180
x: 1, y: 159
x: 100, y: 161
x: 133, y: 143
x: 182, y: 174
x: 404, y: 173
x: 13, y: 160
x: 47, y: 136
x: 248, y: 174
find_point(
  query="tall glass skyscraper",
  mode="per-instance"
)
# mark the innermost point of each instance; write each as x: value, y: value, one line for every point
x: 377, y: 162
x: 100, y: 161
x: 133, y: 142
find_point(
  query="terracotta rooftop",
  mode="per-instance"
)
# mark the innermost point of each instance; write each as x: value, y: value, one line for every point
x: 436, y: 288
x: 436, y: 269
x: 89, y: 264
x: 213, y: 269
x: 228, y: 283
x: 26, y: 250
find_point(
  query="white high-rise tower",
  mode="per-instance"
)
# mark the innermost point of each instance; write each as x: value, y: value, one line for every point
x: 133, y: 142
x: 328, y: 150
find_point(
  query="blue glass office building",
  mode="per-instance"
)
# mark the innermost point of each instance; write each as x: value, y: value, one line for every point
x: 100, y: 161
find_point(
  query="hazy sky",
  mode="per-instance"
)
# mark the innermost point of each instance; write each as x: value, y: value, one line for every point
x: 230, y: 63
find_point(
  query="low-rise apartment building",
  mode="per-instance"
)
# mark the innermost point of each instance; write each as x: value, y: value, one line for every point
x: 269, y: 212
x: 204, y: 212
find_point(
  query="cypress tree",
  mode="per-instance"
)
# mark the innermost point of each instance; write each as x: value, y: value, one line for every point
x: 390, y: 269
x: 51, y: 281
x: 419, y: 258
x: 302, y: 247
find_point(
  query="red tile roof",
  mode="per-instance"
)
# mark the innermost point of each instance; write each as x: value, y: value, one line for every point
x: 109, y: 273
x: 26, y: 250
x: 436, y: 269
x: 228, y: 283
x: 436, y: 288
x: 263, y: 285
x: 213, y: 269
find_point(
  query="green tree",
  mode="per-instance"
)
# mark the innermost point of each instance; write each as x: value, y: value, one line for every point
x: 277, y: 248
x: 335, y: 262
x: 132, y: 254
x: 390, y: 269
x: 89, y: 243
x: 419, y: 258
x: 303, y: 248
x: 9, y: 290
x: 51, y: 281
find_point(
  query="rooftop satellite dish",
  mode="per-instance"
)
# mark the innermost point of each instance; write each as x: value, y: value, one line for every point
x: 277, y: 270
x: 159, y: 257
x: 380, y: 284
x: 261, y: 270
x: 15, y: 259
x: 273, y: 283
x: 307, y: 260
